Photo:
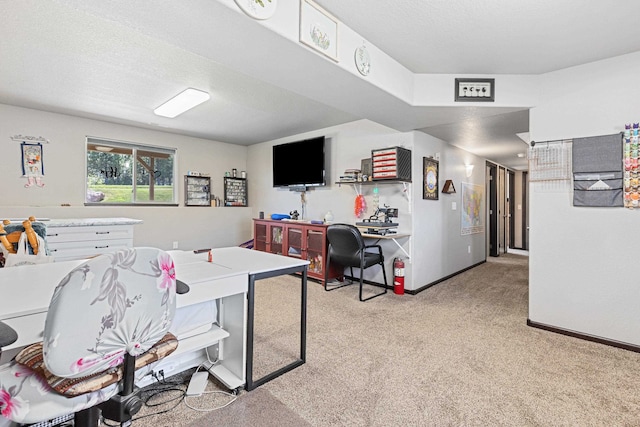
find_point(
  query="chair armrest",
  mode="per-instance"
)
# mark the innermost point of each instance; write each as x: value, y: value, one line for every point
x: 181, y: 287
x: 374, y: 246
x: 7, y: 335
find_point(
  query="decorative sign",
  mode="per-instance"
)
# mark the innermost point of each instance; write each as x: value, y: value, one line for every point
x: 475, y: 90
x: 430, y: 185
x: 32, y: 165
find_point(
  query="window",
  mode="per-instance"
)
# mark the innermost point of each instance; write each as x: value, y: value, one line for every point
x: 126, y: 173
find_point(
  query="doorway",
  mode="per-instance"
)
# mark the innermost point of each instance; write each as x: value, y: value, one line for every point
x: 507, y: 209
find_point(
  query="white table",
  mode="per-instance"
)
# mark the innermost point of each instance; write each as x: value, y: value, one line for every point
x: 25, y: 294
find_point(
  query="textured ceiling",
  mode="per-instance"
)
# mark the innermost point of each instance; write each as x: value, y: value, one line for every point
x: 117, y: 60
x: 493, y: 36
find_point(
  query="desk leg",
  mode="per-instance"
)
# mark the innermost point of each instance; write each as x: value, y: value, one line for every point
x: 251, y: 383
x: 250, y: 317
x: 303, y: 317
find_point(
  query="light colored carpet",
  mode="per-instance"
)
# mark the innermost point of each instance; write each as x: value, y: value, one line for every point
x: 458, y: 354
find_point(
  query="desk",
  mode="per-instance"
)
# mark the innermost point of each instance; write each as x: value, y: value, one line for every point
x: 26, y: 293
x: 392, y: 236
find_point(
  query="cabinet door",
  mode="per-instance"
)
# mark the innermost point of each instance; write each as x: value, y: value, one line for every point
x: 276, y: 235
x: 315, y: 250
x: 260, y: 237
x: 294, y: 242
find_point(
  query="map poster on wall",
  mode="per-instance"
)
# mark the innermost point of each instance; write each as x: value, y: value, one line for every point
x: 472, y: 209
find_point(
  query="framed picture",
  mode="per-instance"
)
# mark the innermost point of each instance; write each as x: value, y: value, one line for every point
x: 318, y: 29
x: 475, y: 90
x: 430, y: 178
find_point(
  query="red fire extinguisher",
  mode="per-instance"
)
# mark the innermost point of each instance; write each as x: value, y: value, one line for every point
x: 398, y: 276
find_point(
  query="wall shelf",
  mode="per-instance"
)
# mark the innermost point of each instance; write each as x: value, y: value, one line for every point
x: 357, y: 187
x: 382, y: 181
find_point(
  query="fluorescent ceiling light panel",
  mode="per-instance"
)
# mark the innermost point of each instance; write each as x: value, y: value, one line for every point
x: 182, y: 102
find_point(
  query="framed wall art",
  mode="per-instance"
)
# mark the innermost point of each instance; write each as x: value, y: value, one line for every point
x: 475, y: 90
x: 318, y: 29
x: 430, y: 178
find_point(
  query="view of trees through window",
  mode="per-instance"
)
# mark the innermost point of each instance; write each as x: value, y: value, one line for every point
x: 127, y: 173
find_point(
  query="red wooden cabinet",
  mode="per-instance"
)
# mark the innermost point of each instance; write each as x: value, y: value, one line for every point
x: 297, y: 240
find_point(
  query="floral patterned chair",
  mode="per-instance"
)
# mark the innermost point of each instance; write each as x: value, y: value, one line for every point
x: 107, y: 317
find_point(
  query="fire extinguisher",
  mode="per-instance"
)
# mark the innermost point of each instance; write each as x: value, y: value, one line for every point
x: 398, y: 276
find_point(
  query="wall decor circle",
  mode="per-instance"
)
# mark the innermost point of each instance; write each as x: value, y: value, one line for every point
x: 363, y: 61
x: 258, y: 9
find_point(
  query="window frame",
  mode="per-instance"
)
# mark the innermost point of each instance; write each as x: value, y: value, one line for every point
x: 134, y: 147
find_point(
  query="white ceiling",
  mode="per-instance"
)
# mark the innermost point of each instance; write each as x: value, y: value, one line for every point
x: 117, y: 60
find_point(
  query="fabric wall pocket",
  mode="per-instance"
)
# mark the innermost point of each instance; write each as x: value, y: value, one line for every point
x: 597, y: 171
x: 23, y: 257
x: 598, y: 189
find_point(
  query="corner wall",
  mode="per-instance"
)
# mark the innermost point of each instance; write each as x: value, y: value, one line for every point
x: 436, y: 245
x: 582, y: 260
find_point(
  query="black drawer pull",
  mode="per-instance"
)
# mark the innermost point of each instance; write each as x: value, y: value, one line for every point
x: 102, y: 247
x: 102, y: 232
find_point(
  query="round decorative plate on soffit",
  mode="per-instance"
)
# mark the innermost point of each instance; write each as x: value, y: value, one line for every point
x: 363, y: 61
x: 258, y: 9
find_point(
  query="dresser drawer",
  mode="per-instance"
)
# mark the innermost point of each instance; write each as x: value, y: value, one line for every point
x: 91, y: 233
x: 65, y: 251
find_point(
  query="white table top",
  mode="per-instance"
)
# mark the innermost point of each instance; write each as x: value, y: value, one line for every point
x: 86, y: 222
x: 386, y: 236
x: 27, y: 289
x: 254, y: 261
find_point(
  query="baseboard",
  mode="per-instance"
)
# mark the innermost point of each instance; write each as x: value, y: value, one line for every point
x: 428, y: 285
x: 416, y: 291
x: 586, y: 337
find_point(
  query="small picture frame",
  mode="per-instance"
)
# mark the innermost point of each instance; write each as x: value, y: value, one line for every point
x: 318, y: 29
x: 475, y: 90
x: 430, y: 178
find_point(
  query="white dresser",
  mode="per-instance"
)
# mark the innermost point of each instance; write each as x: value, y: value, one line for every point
x: 70, y: 239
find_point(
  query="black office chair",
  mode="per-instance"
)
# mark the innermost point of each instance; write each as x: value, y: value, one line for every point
x: 347, y: 248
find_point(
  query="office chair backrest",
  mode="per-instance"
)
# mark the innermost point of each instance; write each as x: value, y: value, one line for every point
x: 117, y: 303
x: 345, y: 244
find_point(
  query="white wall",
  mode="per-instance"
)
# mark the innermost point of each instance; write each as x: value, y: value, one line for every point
x: 439, y: 249
x: 582, y: 265
x: 436, y: 246
x: 64, y: 164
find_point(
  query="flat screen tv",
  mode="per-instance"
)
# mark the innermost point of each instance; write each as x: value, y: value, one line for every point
x: 300, y: 163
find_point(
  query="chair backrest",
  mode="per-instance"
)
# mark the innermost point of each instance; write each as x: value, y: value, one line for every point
x: 116, y: 303
x: 345, y: 244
